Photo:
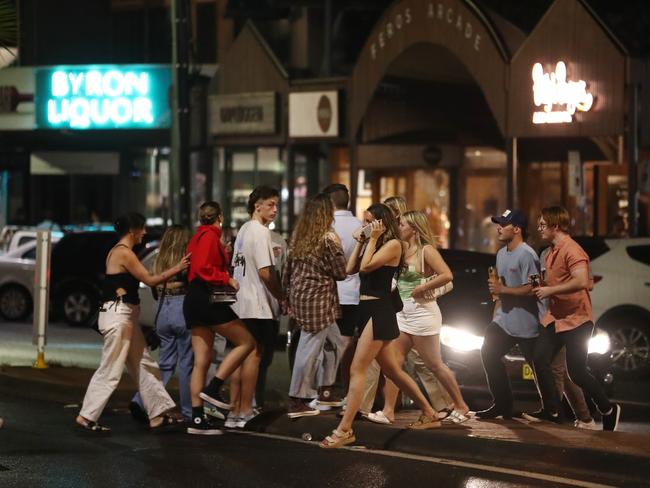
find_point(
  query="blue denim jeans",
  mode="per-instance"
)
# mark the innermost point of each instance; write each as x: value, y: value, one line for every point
x: 175, y: 350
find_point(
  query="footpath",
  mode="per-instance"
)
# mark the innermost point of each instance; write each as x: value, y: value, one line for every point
x: 609, y: 458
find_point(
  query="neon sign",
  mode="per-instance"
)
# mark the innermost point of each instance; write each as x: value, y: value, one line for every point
x: 103, y: 97
x: 558, y: 97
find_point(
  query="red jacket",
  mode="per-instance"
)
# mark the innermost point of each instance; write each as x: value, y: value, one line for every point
x: 208, y: 255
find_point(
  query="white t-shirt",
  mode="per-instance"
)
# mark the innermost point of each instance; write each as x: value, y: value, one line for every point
x: 253, y: 250
x: 344, y: 225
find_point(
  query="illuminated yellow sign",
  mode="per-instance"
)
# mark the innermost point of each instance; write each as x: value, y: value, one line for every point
x: 558, y: 97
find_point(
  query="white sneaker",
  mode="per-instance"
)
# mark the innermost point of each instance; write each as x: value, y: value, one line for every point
x: 242, y: 421
x: 591, y: 425
x: 232, y: 421
x: 213, y: 412
x: 315, y: 405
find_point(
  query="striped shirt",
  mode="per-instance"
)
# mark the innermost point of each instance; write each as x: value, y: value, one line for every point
x: 309, y: 285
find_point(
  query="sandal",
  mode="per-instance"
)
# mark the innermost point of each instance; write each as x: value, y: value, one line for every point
x: 168, y: 424
x: 94, y: 427
x: 425, y: 422
x: 338, y: 439
x: 455, y: 417
x: 379, y: 418
x: 444, y: 413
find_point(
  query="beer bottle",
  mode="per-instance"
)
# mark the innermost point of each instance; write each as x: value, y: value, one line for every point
x: 493, y: 278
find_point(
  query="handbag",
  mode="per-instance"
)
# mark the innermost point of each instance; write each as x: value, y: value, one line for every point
x: 435, y: 293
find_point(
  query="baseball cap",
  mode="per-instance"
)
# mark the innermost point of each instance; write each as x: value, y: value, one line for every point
x: 512, y: 216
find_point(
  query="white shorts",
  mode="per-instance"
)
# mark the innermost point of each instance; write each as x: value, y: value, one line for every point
x: 419, y: 318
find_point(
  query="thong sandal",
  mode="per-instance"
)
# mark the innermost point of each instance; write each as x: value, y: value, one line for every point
x: 94, y: 427
x: 455, y: 417
x: 168, y: 424
x: 444, y: 413
x: 338, y: 439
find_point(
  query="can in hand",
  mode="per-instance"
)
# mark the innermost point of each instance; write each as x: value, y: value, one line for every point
x: 535, y: 280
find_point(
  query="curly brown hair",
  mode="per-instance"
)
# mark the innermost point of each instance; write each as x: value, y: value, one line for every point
x: 313, y: 225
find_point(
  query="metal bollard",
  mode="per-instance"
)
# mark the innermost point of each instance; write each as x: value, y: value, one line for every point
x: 41, y: 295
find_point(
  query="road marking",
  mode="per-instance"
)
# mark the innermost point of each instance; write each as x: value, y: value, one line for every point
x: 436, y: 460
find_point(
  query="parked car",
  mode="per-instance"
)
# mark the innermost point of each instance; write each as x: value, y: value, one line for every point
x: 148, y: 305
x: 13, y: 236
x: 17, y: 281
x: 621, y: 299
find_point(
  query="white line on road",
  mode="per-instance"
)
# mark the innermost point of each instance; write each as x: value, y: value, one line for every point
x: 436, y: 460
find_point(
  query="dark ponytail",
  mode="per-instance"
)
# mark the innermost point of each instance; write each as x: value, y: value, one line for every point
x: 129, y: 221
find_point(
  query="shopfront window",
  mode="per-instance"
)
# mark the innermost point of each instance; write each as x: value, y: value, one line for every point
x: 482, y: 193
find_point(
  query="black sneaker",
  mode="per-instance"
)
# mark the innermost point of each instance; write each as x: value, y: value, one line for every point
x: 203, y: 426
x: 493, y: 413
x: 610, y: 420
x: 214, y: 398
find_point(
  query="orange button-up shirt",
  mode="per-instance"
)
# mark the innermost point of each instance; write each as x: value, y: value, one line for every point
x: 569, y: 310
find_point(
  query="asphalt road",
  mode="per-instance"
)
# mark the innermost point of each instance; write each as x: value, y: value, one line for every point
x: 41, y: 447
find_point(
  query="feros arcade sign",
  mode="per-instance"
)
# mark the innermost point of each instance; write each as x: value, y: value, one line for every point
x: 103, y: 97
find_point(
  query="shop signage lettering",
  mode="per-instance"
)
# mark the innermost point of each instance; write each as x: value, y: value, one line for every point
x: 115, y: 97
x: 435, y: 11
x: 558, y: 97
x: 242, y: 113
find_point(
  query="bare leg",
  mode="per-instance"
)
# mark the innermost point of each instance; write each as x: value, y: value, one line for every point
x: 429, y: 349
x: 388, y: 362
x: 237, y: 333
x: 367, y: 349
x: 402, y: 345
x: 202, y: 339
x: 249, y: 371
x: 235, y: 391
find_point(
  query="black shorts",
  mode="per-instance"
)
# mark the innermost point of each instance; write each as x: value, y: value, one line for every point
x: 263, y: 330
x: 349, y: 320
x: 198, y: 310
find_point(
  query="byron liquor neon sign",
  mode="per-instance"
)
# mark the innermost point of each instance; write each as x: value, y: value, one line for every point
x: 558, y: 97
x: 103, y: 97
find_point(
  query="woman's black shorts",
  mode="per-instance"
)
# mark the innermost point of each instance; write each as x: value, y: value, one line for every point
x: 198, y: 310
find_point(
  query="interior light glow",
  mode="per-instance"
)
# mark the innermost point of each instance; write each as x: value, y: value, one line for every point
x: 558, y: 97
x: 599, y: 343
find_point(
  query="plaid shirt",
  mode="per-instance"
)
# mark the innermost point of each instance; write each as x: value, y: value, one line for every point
x: 309, y: 286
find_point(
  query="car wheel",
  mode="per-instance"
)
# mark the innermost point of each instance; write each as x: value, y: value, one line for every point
x: 15, y: 302
x: 630, y: 346
x: 79, y: 307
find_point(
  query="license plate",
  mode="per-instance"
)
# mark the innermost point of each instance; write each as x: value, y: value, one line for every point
x: 527, y: 372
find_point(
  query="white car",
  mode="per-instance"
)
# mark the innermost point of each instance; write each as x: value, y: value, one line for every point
x: 17, y: 281
x: 621, y: 298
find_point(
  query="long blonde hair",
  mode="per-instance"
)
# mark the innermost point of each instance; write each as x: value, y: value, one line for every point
x: 314, y: 223
x: 420, y: 223
x: 397, y: 205
x: 172, y: 248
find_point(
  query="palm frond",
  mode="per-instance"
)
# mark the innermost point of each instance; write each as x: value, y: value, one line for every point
x: 8, y: 24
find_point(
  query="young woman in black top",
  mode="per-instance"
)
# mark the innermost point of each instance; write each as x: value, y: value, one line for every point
x: 377, y: 265
x: 124, y: 344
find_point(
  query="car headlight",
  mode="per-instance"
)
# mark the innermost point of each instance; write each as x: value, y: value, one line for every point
x: 599, y: 343
x: 459, y: 339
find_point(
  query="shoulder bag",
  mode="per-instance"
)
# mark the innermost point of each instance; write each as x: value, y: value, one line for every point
x: 434, y: 293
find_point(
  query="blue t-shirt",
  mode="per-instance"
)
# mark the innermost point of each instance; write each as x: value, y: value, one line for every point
x: 518, y: 315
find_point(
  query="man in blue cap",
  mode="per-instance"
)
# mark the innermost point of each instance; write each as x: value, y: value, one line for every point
x: 516, y: 315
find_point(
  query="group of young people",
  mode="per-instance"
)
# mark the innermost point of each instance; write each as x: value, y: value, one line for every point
x: 363, y: 295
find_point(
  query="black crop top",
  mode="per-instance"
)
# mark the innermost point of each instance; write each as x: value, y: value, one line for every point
x: 112, y: 282
x: 377, y: 283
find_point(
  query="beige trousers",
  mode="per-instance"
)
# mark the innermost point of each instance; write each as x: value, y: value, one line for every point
x: 124, y: 346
